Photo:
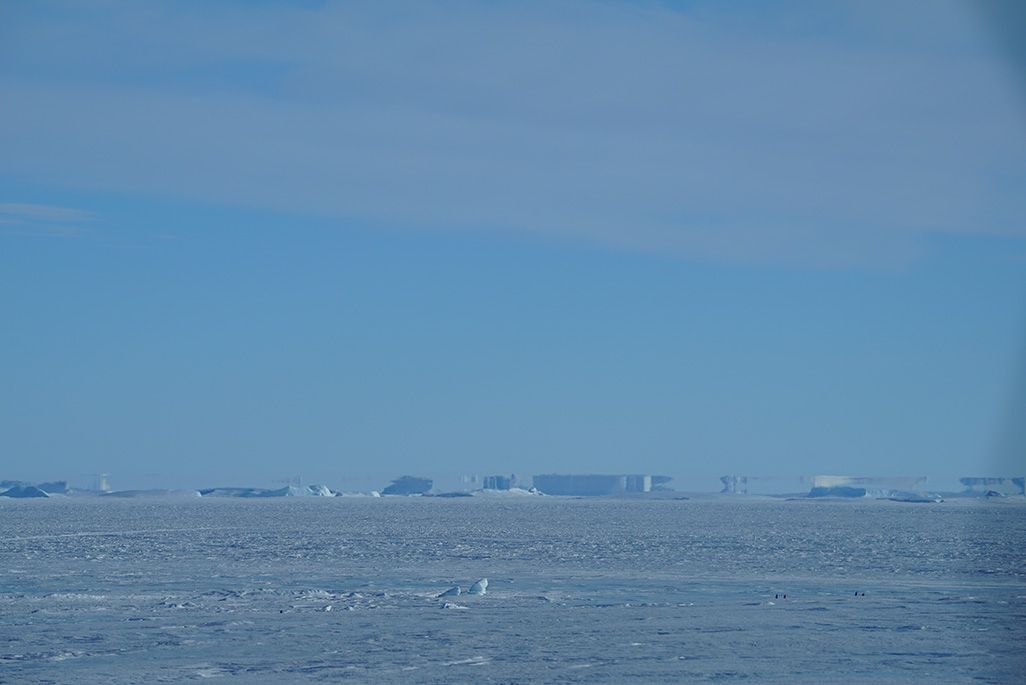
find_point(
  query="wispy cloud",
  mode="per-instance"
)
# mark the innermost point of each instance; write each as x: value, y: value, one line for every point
x: 21, y: 211
x: 26, y: 219
x: 815, y: 135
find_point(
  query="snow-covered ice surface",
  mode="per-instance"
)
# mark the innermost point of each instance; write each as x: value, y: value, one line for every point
x: 588, y: 591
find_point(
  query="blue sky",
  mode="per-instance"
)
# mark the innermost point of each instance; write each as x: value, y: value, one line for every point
x: 240, y: 241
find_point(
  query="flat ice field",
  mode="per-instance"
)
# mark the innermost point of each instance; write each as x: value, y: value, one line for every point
x: 589, y: 591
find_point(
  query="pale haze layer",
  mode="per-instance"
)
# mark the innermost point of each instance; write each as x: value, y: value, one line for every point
x: 240, y: 242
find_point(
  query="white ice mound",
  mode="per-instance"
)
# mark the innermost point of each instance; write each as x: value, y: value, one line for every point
x: 454, y: 591
x: 301, y: 491
x: 479, y: 588
x: 287, y: 491
x: 512, y: 492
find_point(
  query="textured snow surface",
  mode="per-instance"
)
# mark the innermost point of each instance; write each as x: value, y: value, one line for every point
x: 590, y: 591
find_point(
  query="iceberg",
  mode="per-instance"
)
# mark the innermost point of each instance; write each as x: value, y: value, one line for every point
x: 57, y: 487
x: 287, y: 491
x: 232, y: 492
x: 298, y: 491
x: 479, y: 588
x: 998, y: 486
x: 151, y: 493
x: 454, y: 591
x: 861, y: 486
x: 23, y: 492
x: 408, y: 485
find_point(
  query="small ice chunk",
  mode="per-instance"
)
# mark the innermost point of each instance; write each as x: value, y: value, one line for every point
x: 450, y: 605
x: 479, y: 588
x: 454, y: 591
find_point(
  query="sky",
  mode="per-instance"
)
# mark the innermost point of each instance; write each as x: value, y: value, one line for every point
x: 244, y: 241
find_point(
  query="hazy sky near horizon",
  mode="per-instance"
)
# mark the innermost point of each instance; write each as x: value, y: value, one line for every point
x: 245, y: 240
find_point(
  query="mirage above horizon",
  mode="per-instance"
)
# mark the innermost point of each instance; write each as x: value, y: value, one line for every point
x: 909, y: 489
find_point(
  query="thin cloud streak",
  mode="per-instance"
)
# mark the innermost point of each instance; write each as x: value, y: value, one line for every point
x: 12, y: 212
x: 28, y: 220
